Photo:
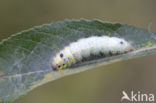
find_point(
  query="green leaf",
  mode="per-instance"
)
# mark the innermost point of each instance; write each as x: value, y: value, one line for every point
x: 25, y: 57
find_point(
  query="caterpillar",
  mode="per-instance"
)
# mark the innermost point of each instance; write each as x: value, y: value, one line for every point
x: 86, y: 47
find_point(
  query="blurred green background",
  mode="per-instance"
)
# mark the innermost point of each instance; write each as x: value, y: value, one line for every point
x: 102, y: 85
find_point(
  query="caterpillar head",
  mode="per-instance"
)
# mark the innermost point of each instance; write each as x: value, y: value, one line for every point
x: 58, y: 61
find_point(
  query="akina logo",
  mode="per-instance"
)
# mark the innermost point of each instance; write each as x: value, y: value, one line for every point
x: 138, y: 97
